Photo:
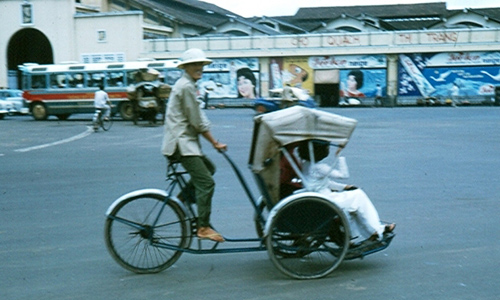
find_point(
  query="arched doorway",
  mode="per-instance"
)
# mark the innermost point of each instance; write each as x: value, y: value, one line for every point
x: 27, y: 46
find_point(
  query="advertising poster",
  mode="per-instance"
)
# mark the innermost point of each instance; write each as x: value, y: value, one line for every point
x: 347, y: 62
x: 297, y: 73
x: 223, y: 77
x: 360, y: 75
x: 440, y: 75
x: 275, y: 78
x: 360, y: 83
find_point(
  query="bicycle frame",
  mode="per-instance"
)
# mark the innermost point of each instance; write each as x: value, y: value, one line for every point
x: 176, y: 179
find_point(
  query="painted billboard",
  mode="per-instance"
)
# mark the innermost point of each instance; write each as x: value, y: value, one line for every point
x: 297, y: 73
x: 439, y: 75
x: 231, y: 78
x: 360, y: 83
x: 360, y: 75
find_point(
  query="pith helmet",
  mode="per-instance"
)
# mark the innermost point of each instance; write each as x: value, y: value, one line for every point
x: 193, y: 55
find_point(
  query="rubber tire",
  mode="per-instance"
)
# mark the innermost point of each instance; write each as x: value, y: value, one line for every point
x: 39, y: 111
x: 126, y: 110
x: 131, y: 247
x: 106, y: 124
x: 303, y: 238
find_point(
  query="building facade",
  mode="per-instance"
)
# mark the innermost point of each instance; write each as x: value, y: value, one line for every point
x: 403, y: 52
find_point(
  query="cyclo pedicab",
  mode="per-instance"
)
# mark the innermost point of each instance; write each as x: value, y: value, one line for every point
x: 305, y: 234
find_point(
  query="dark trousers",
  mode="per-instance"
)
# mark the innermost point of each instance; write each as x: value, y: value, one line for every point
x: 201, y: 170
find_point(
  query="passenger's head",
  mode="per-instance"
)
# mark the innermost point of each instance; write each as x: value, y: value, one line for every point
x: 321, y: 150
x: 246, y: 83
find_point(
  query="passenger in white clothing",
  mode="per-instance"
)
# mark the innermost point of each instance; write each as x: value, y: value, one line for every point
x: 362, y: 215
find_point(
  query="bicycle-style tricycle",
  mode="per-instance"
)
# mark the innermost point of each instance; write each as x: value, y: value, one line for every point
x: 305, y: 234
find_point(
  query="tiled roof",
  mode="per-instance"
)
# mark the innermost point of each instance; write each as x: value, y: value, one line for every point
x: 258, y: 27
x: 206, y: 16
x: 379, y: 11
x: 192, y: 12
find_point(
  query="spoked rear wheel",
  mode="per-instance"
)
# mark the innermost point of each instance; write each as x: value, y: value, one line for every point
x: 106, y: 123
x: 138, y: 227
x: 308, y: 238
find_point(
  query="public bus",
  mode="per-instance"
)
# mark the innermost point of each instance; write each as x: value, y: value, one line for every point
x: 65, y: 89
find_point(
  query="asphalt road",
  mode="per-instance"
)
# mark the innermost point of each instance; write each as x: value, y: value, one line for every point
x: 433, y: 171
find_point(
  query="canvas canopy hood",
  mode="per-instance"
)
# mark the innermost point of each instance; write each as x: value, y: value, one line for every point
x: 295, y: 124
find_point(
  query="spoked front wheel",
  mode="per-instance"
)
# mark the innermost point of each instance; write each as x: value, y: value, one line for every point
x: 308, y: 237
x: 106, y: 123
x: 143, y: 233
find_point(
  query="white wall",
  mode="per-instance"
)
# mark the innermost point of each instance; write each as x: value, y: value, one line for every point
x: 123, y: 34
x: 54, y: 18
x: 71, y: 35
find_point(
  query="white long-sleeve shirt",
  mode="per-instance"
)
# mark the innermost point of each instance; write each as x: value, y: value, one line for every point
x: 316, y: 174
x: 365, y: 220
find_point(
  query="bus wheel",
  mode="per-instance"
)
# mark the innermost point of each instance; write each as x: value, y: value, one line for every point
x: 126, y: 111
x: 63, y: 117
x: 39, y: 111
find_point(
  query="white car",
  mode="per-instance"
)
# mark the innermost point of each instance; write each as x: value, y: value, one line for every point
x: 5, y: 108
x: 16, y: 99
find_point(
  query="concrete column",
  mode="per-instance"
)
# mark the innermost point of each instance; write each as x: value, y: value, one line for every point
x: 392, y: 80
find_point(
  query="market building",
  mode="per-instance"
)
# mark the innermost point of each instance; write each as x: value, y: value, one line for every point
x: 402, y: 52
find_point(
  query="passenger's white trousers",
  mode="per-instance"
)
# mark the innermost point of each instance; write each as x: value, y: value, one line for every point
x: 362, y: 215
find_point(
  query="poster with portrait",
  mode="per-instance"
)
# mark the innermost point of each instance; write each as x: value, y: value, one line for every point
x: 360, y: 83
x: 231, y: 78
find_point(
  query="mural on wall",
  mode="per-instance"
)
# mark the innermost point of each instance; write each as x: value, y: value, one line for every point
x: 230, y: 78
x: 359, y: 83
x: 360, y: 75
x: 275, y: 78
x: 440, y: 75
x: 296, y: 72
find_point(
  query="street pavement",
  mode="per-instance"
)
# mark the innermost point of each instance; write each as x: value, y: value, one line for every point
x: 432, y: 170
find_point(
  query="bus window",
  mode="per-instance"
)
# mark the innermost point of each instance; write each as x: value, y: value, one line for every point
x: 96, y: 79
x: 38, y: 81
x: 114, y: 79
x: 131, y: 77
x: 75, y: 80
x: 58, y: 81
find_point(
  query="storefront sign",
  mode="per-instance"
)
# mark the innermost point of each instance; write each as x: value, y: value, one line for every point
x: 347, y: 62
